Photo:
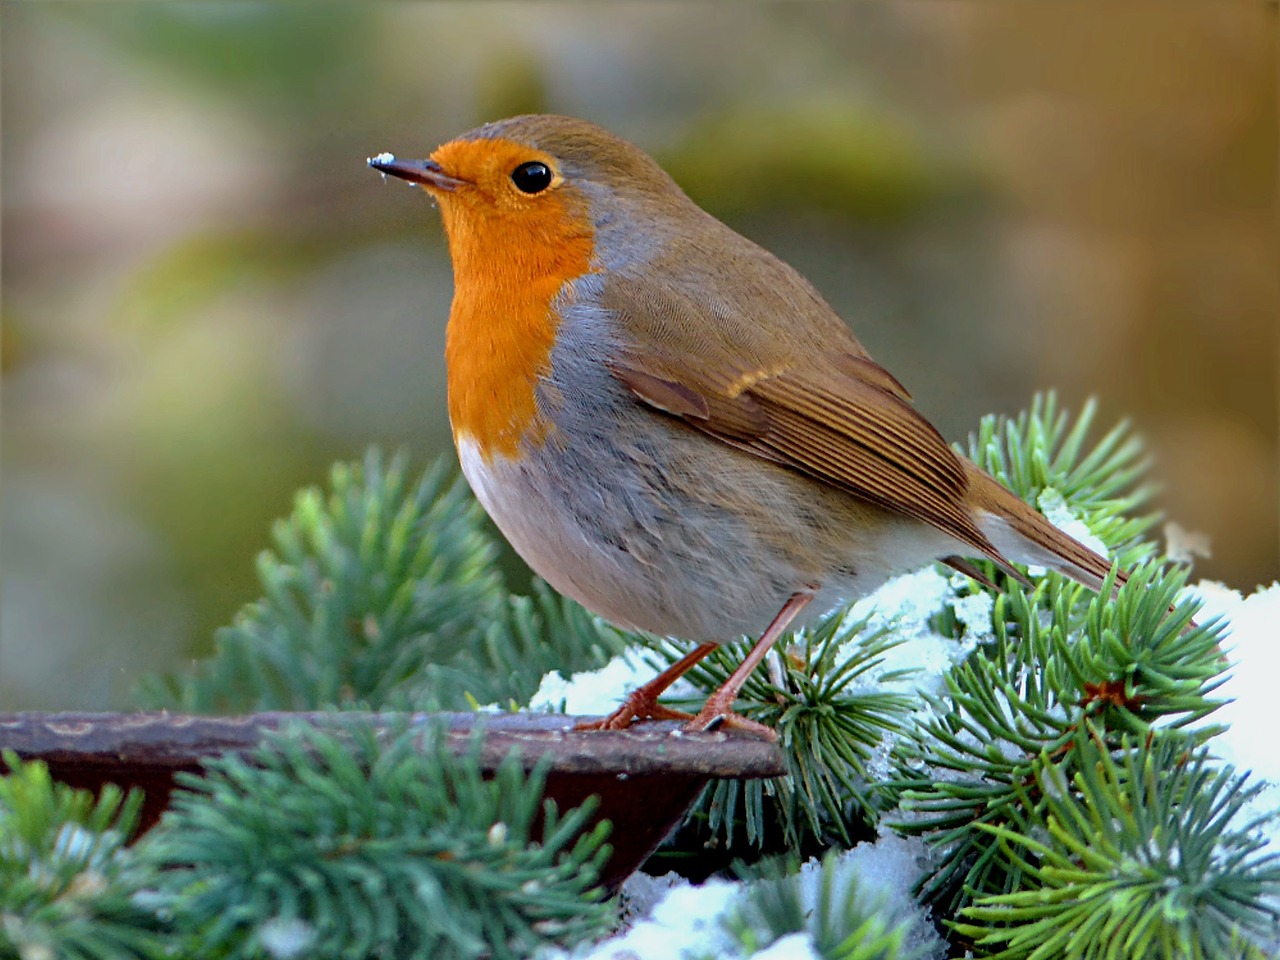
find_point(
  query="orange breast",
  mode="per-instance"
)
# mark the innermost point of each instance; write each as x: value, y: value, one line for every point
x: 509, y: 265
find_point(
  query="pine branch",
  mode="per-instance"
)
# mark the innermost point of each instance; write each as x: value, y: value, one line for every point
x: 1127, y: 666
x: 839, y: 919
x: 824, y: 700
x: 531, y: 637
x: 383, y: 594
x: 63, y: 861
x: 1140, y: 659
x: 1137, y: 854
x: 365, y: 587
x: 1042, y: 456
x: 331, y: 847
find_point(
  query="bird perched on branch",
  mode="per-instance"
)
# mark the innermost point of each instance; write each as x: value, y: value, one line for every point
x: 670, y: 424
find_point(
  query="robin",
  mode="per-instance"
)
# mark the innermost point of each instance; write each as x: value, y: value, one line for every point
x: 670, y: 424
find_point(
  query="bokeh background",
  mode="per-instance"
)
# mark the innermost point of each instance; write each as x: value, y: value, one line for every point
x: 207, y: 298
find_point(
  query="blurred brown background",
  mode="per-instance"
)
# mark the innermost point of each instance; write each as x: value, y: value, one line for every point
x: 207, y: 297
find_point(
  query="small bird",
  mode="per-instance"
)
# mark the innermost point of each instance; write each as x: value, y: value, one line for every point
x: 669, y: 424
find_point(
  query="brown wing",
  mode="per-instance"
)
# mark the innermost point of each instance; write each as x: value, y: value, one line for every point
x: 829, y: 425
x: 833, y: 414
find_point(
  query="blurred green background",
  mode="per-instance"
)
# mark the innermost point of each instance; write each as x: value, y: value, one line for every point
x: 207, y: 298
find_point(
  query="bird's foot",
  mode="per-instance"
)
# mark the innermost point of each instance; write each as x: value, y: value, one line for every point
x: 638, y: 705
x: 717, y: 714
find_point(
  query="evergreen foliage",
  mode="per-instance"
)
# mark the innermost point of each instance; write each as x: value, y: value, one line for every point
x: 366, y: 587
x: 1044, y: 457
x: 1141, y: 855
x: 531, y: 637
x: 1126, y: 665
x: 841, y: 921
x: 323, y: 846
x: 383, y: 594
x: 823, y: 695
x: 318, y: 845
x: 64, y: 893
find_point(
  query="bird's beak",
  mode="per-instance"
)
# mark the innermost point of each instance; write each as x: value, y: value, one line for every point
x: 428, y: 173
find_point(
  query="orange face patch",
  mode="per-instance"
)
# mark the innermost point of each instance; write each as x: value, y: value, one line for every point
x: 512, y: 254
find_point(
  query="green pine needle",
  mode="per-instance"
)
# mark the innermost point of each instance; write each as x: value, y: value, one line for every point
x: 831, y: 720
x: 1137, y: 855
x: 329, y: 846
x: 1127, y: 665
x: 366, y: 586
x: 384, y: 594
x: 536, y: 635
x: 1141, y: 658
x: 64, y: 871
x: 842, y: 922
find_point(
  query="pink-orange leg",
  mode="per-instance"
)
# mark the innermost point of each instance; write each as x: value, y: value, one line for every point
x: 642, y: 702
x: 718, y: 710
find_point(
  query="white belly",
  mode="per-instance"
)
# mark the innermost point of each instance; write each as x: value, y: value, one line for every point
x: 601, y: 530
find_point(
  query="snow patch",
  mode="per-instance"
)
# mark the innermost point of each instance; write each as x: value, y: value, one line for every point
x: 794, y: 946
x: 594, y: 692
x: 1056, y: 510
x: 904, y: 606
x: 885, y: 872
x: 1252, y: 643
x: 672, y: 919
x: 687, y: 921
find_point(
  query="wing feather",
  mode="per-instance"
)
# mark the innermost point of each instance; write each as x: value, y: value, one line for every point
x: 828, y: 425
x: 806, y: 396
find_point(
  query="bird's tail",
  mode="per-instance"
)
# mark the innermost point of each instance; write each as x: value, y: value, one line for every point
x: 1020, y: 533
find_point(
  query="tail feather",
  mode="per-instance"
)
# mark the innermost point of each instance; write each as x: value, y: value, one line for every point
x: 973, y: 573
x: 1020, y: 533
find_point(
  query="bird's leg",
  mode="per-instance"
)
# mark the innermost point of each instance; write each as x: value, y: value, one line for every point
x: 642, y: 702
x: 718, y: 710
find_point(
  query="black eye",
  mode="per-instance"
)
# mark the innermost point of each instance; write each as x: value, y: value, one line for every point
x: 531, y: 177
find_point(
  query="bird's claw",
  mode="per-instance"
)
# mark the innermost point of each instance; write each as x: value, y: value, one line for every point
x: 635, y: 707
